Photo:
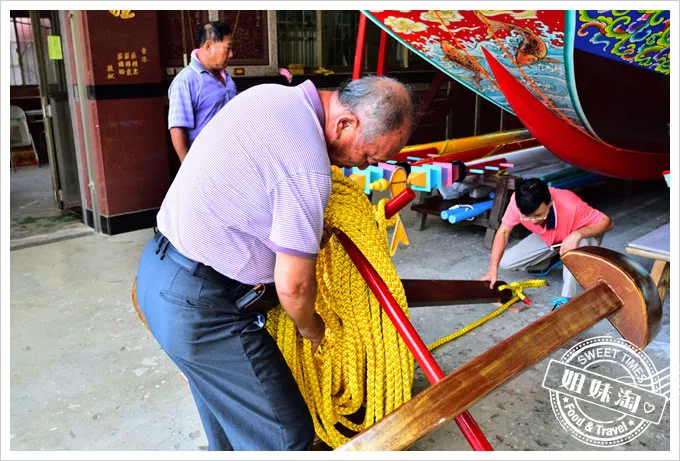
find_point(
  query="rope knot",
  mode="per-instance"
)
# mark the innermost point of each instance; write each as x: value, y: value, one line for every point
x: 517, y: 287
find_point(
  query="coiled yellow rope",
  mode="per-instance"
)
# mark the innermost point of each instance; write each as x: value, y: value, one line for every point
x: 362, y: 360
x: 516, y: 288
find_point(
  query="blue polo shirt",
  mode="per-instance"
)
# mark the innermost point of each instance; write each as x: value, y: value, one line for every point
x: 196, y: 95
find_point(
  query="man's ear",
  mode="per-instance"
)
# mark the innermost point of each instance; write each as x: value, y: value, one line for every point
x: 347, y: 122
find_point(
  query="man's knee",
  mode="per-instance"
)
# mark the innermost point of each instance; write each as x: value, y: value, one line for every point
x: 508, y: 264
x: 503, y: 265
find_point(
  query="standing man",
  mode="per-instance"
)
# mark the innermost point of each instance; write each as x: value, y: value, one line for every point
x: 554, y: 216
x: 247, y: 207
x: 202, y: 88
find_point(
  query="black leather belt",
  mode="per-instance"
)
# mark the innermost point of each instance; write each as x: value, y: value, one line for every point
x: 259, y: 298
x: 194, y: 267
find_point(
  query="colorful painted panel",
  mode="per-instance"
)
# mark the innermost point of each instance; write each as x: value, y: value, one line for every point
x: 637, y: 37
x: 528, y: 43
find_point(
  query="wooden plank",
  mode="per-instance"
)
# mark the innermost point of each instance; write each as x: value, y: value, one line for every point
x: 484, y: 222
x: 493, y: 181
x: 432, y: 209
x: 648, y: 254
x: 424, y: 198
x: 433, y: 205
x: 657, y: 241
x: 421, y: 293
x: 440, y: 403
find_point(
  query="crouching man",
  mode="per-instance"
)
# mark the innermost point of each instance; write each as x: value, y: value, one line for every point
x: 559, y: 221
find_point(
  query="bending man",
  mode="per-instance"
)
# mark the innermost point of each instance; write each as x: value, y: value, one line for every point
x: 247, y: 207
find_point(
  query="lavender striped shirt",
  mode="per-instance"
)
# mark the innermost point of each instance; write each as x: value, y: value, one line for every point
x: 257, y: 180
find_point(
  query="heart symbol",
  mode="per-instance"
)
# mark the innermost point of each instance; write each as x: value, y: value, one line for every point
x: 648, y: 407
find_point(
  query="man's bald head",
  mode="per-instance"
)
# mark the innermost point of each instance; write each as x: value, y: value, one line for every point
x: 368, y: 121
x: 383, y: 105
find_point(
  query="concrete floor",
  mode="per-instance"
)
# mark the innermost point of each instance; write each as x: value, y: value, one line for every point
x: 86, y: 375
x: 31, y: 190
x: 33, y: 211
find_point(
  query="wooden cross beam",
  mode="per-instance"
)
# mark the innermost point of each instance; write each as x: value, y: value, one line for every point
x: 420, y: 293
x: 616, y: 288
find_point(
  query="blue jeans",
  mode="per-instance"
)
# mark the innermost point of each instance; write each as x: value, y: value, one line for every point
x: 245, y: 393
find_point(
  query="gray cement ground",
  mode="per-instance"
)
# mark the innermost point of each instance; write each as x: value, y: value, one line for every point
x: 34, y: 217
x: 86, y: 375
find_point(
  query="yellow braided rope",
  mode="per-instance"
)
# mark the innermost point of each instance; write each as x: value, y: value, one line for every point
x: 516, y: 288
x: 362, y: 359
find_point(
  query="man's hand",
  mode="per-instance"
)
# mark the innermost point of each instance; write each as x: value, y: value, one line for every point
x: 491, y: 276
x: 570, y: 242
x: 315, y: 333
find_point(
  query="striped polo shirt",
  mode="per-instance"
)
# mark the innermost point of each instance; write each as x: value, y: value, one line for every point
x: 196, y: 95
x: 257, y: 180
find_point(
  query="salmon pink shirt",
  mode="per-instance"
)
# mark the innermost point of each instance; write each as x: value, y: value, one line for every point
x: 571, y: 213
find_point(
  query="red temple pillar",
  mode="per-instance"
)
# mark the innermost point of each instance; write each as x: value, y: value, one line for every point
x: 125, y: 121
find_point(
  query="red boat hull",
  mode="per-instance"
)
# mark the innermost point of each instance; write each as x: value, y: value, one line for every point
x: 570, y: 144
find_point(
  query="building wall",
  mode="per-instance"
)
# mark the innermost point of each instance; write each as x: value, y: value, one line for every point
x: 129, y: 64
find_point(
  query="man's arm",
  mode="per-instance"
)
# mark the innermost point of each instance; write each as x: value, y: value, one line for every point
x: 591, y: 230
x: 181, y: 115
x: 180, y: 141
x: 295, y: 280
x: 500, y: 242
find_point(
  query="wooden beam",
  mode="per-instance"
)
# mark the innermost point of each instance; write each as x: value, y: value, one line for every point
x: 438, y: 404
x: 420, y: 293
x: 616, y: 288
x: 648, y: 254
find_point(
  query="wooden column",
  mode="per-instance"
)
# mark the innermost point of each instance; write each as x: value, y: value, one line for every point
x: 127, y: 123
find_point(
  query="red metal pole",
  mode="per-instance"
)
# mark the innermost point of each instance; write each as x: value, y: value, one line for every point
x: 433, y: 372
x: 399, y: 201
x: 383, y: 54
x: 359, y: 53
x: 431, y: 92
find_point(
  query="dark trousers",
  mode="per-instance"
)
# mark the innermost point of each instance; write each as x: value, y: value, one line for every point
x: 245, y: 393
